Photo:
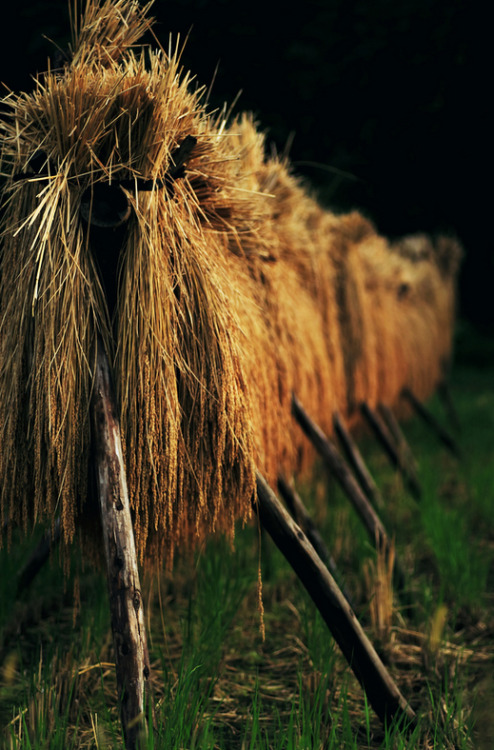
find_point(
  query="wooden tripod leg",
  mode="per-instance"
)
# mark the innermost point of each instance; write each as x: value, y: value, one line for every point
x: 382, y: 692
x: 127, y: 616
x: 357, y: 462
x: 432, y: 422
x: 302, y: 517
x: 381, y: 431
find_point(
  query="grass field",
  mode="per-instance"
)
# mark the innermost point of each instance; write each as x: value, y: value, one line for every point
x: 217, y: 684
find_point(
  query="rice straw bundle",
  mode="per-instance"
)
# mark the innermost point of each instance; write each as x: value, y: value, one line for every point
x: 410, y: 300
x: 233, y: 289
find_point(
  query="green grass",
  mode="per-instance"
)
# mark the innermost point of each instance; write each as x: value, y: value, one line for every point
x: 217, y: 684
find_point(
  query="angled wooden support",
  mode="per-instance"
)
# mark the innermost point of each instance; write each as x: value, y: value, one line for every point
x: 342, y: 473
x: 357, y: 462
x: 127, y: 616
x: 404, y: 451
x: 382, y: 433
x: 444, y: 393
x: 302, y: 517
x: 429, y: 419
x: 382, y: 692
x: 38, y: 557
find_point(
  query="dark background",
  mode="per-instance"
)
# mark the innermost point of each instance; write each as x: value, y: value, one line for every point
x: 385, y: 104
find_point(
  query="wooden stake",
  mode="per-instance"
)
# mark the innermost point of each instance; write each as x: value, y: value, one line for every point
x: 432, y: 422
x: 382, y: 692
x: 127, y: 616
x: 357, y: 462
x: 386, y: 440
x: 302, y: 517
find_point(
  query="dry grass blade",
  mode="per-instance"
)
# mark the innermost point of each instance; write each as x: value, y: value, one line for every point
x: 378, y: 574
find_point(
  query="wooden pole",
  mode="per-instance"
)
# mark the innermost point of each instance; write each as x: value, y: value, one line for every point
x: 341, y: 471
x: 339, y: 468
x: 382, y: 692
x: 432, y: 422
x: 386, y: 440
x: 404, y: 451
x: 38, y: 557
x: 127, y: 616
x: 444, y: 393
x: 302, y: 517
x: 357, y: 462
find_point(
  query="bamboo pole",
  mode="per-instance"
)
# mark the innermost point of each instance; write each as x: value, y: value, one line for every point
x: 127, y: 616
x: 432, y: 422
x: 382, y: 692
x: 357, y: 462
